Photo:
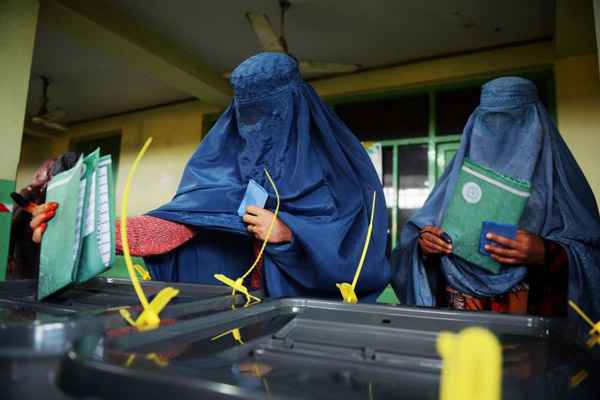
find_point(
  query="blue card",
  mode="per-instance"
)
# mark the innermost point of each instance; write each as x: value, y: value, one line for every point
x: 255, y: 195
x: 506, y: 230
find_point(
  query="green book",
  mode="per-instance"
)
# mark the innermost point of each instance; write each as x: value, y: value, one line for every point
x: 79, y: 242
x: 61, y: 245
x: 481, y: 194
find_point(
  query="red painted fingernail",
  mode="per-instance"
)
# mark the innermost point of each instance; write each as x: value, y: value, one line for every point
x: 30, y: 208
x: 53, y: 206
x: 42, y: 227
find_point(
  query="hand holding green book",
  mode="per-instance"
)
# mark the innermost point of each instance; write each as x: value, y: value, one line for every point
x: 481, y: 194
x: 79, y: 241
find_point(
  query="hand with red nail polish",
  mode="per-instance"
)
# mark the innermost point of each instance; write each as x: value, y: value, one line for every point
x: 41, y: 215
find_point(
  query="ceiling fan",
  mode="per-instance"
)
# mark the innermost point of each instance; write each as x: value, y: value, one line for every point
x: 271, y: 42
x: 51, y: 120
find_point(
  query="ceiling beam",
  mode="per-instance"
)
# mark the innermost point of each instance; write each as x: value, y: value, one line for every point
x: 94, y: 24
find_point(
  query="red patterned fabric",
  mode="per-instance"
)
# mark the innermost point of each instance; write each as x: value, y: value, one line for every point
x: 514, y: 302
x: 550, y: 284
x: 256, y: 275
x: 148, y: 236
x: 545, y: 293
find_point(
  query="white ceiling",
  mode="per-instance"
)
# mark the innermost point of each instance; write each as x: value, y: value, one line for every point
x: 371, y: 33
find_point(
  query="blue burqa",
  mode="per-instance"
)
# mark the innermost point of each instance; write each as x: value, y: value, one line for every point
x: 511, y: 133
x: 324, y: 177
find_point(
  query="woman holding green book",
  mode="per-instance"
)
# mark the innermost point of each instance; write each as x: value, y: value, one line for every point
x: 512, y: 225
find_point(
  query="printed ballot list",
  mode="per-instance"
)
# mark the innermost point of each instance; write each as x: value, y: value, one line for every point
x: 105, y: 218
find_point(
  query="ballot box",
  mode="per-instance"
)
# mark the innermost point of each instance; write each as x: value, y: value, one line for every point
x: 102, y: 293
x: 34, y: 335
x: 313, y: 349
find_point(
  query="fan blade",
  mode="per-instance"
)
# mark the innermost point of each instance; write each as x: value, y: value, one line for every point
x: 263, y: 29
x: 55, y: 126
x: 325, y: 68
x: 55, y: 116
x: 37, y: 120
x: 315, y: 68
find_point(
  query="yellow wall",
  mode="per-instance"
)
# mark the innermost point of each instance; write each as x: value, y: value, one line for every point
x: 578, y: 106
x: 33, y: 153
x: 176, y: 130
x: 578, y: 85
x: 18, y: 20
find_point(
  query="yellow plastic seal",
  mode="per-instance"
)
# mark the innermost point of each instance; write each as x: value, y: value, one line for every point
x: 578, y: 378
x: 130, y: 360
x: 595, y: 331
x: 157, y: 359
x: 148, y: 319
x: 347, y: 290
x: 237, y: 336
x: 145, y: 275
x: 238, y: 284
x: 471, y: 365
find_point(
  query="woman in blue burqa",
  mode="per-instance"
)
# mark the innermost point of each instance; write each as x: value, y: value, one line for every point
x: 276, y: 122
x: 555, y: 255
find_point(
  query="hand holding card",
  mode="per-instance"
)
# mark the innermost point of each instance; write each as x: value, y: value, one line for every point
x: 506, y: 230
x: 255, y: 195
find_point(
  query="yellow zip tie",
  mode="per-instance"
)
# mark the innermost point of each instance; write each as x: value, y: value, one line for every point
x: 238, y: 284
x: 595, y: 331
x: 130, y: 360
x: 148, y: 319
x: 593, y: 340
x: 237, y: 336
x: 471, y: 365
x: 158, y: 360
x: 145, y: 275
x: 578, y: 378
x: 581, y: 313
x: 127, y: 316
x: 348, y: 290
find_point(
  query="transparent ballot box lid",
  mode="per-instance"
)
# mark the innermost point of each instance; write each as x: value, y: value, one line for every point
x: 313, y: 349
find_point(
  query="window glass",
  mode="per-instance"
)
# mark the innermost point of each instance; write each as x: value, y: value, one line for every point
x: 403, y: 117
